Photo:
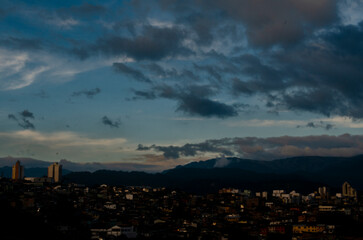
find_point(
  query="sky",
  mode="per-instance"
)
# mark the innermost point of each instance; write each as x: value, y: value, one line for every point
x: 152, y: 84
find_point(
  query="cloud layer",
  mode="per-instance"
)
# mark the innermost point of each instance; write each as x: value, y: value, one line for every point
x: 266, y: 148
x: 296, y: 55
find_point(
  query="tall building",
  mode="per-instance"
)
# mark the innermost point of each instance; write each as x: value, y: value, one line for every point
x: 348, y: 191
x: 55, y: 172
x: 18, y: 171
x: 324, y: 192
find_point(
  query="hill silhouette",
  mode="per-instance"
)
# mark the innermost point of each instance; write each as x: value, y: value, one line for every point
x: 298, y: 173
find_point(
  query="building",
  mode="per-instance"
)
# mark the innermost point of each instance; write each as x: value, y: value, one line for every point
x: 18, y: 171
x: 113, y: 232
x: 55, y: 172
x: 323, y: 192
x: 302, y: 228
x: 277, y: 193
x: 348, y: 191
x: 38, y: 179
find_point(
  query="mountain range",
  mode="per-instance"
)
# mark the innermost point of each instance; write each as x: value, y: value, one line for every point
x: 297, y: 173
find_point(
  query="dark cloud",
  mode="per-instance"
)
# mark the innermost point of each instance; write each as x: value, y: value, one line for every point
x: 86, y: 9
x: 267, y: 23
x: 321, y: 75
x: 347, y: 39
x: 283, y: 22
x: 157, y: 70
x: 113, y: 124
x: 202, y: 26
x: 194, y: 105
x: 141, y: 147
x: 267, y: 148
x: 131, y: 72
x: 300, y: 57
x: 21, y: 43
x: 153, y: 43
x: 188, y: 150
x: 88, y: 93
x: 23, y: 119
x: 143, y: 95
x: 326, y: 77
x: 194, y: 100
x: 12, y: 117
x: 26, y: 114
x: 129, y: 25
x: 323, y: 101
x: 26, y: 124
x: 211, y: 70
x: 172, y: 74
x: 320, y: 124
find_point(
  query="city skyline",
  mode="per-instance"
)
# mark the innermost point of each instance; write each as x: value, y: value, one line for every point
x: 156, y: 84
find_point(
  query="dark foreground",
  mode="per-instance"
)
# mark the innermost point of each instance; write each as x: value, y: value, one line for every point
x: 41, y: 211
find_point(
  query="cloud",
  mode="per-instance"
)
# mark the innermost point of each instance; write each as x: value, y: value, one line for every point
x: 266, y: 22
x: 64, y: 144
x: 221, y: 162
x: 26, y: 124
x: 22, y: 68
x: 194, y: 105
x: 42, y: 94
x: 12, y: 117
x: 23, y: 120
x: 108, y: 122
x: 27, y: 114
x: 131, y: 72
x: 154, y: 43
x: 267, y: 148
x: 172, y: 73
x: 321, y: 124
x: 83, y: 10
x: 63, y: 139
x: 187, y: 150
x: 15, y: 70
x: 192, y: 100
x: 327, y: 77
x: 143, y: 95
x: 295, y: 55
x: 88, y: 93
x: 17, y: 43
x: 283, y: 22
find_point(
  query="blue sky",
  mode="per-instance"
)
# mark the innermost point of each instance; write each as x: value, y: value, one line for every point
x: 162, y: 83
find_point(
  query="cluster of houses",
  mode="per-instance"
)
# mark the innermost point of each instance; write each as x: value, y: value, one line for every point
x: 110, y: 212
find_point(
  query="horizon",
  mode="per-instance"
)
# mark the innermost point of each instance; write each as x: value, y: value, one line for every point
x: 152, y: 85
x: 125, y: 167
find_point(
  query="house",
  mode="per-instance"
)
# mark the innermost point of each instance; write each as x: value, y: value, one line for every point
x: 115, y: 231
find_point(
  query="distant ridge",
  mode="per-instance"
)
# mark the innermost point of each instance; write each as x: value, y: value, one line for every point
x: 210, y: 175
x: 286, y: 165
x: 298, y: 173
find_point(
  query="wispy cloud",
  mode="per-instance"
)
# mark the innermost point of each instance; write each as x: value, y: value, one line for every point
x: 88, y: 93
x: 66, y: 144
x: 264, y: 123
x: 63, y: 139
x: 108, y: 122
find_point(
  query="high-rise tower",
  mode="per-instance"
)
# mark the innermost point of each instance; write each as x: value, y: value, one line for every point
x: 348, y: 191
x: 55, y: 172
x: 18, y: 171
